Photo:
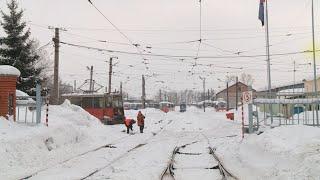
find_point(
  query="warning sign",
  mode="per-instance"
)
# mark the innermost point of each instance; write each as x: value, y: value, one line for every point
x: 247, y: 97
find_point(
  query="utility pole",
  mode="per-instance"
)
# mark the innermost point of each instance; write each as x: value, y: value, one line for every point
x: 54, y: 95
x: 294, y: 76
x: 75, y: 85
x: 110, y: 72
x: 121, y: 88
x: 268, y: 59
x: 204, y: 93
x: 143, y: 97
x: 237, y: 92
x: 160, y: 95
x: 55, y: 92
x: 91, y: 80
x: 314, y: 63
x: 227, y: 95
x: 110, y: 75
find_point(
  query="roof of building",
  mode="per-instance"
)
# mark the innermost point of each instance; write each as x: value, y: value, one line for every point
x: 232, y: 86
x: 7, y: 70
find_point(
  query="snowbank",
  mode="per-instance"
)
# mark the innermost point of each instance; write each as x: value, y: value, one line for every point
x: 287, y: 152
x: 25, y: 149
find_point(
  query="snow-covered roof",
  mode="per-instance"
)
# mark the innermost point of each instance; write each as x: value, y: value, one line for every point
x: 21, y: 93
x: 290, y: 92
x: 165, y: 102
x: 9, y: 70
x: 279, y: 85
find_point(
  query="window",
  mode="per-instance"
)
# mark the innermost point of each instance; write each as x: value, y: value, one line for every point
x: 108, y: 101
x: 98, y: 102
x: 87, y: 102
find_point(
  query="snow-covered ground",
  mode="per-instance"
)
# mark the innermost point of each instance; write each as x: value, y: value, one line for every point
x: 76, y: 145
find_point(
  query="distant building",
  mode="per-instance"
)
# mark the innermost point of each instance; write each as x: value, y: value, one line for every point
x: 232, y: 93
x: 276, y: 89
x: 309, y: 85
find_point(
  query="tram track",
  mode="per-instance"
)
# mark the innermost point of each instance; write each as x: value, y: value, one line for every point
x: 128, y: 152
x: 169, y: 173
x: 111, y: 145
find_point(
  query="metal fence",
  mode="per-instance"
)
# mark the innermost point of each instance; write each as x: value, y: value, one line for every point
x: 288, y: 108
x: 26, y: 109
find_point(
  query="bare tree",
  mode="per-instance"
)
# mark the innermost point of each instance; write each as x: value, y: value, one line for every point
x: 247, y: 79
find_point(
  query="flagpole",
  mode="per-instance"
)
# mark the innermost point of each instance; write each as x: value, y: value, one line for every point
x: 314, y: 63
x: 268, y: 59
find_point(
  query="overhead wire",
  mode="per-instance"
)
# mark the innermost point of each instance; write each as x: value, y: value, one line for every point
x: 122, y: 33
x: 186, y: 56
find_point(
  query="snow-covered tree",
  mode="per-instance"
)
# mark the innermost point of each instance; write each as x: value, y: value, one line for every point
x: 17, y: 49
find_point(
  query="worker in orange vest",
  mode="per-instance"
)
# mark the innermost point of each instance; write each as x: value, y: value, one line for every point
x: 129, y: 122
x: 140, y: 118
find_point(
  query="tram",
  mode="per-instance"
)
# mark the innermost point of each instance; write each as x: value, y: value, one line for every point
x: 166, y: 106
x: 183, y: 107
x: 106, y: 107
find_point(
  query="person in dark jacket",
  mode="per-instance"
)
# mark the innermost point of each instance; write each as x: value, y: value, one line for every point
x: 140, y: 118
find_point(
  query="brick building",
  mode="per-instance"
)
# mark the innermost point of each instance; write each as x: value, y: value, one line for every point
x: 232, y: 93
x: 8, y: 80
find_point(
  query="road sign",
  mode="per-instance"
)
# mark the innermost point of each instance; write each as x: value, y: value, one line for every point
x: 247, y: 97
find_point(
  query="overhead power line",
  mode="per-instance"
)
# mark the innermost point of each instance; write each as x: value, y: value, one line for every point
x: 185, y: 56
x: 122, y: 33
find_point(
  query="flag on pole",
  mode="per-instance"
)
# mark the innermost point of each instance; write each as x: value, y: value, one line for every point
x: 261, y: 11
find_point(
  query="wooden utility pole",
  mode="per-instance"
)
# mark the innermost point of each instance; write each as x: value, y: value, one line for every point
x: 55, y: 90
x: 54, y: 95
x: 143, y: 97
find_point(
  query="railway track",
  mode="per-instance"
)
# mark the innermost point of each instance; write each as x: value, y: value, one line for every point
x: 176, y: 170
x: 111, y: 145
x: 127, y: 153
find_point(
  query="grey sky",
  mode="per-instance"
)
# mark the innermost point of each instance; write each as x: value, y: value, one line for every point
x: 229, y: 26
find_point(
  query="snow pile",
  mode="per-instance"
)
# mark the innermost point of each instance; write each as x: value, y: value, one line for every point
x: 9, y: 70
x: 287, y: 152
x: 25, y: 149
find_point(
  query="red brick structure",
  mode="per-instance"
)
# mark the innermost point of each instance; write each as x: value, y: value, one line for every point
x: 232, y: 94
x: 8, y: 80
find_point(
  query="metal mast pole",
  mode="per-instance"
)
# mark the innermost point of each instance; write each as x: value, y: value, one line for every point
x: 91, y: 80
x: 314, y: 63
x: 237, y: 92
x: 294, y: 76
x: 204, y: 94
x: 110, y: 75
x: 143, y: 97
x: 268, y: 59
x: 228, y: 96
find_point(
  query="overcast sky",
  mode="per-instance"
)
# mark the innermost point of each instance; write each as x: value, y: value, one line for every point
x: 229, y: 26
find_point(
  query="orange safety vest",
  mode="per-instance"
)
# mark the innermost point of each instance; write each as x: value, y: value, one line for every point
x: 140, y: 119
x: 127, y: 122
